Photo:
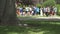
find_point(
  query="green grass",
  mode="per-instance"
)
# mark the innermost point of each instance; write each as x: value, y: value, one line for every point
x: 36, y: 27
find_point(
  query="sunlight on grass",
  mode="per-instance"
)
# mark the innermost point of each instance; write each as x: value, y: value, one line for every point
x: 41, y: 32
x: 12, y: 33
x: 57, y: 23
x: 29, y: 32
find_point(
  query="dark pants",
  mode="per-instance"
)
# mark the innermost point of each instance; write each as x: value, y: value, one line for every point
x: 46, y: 13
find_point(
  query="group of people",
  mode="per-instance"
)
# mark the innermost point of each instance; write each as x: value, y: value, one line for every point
x: 33, y: 10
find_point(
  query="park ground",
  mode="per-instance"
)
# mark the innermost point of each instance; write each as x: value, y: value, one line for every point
x: 33, y: 27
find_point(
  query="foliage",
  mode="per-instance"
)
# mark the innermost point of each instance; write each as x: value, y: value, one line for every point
x: 49, y: 3
x: 57, y: 1
x: 27, y: 2
x: 38, y: 5
x: 58, y: 6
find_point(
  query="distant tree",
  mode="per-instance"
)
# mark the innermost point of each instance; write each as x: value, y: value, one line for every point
x: 27, y: 2
x: 57, y: 1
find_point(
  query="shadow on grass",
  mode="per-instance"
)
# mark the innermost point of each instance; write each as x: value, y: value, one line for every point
x: 42, y: 28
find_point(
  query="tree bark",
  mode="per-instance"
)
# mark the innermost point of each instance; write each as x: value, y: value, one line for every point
x: 8, y: 12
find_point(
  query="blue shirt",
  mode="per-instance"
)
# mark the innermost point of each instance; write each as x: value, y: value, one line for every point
x: 37, y: 9
x: 21, y: 9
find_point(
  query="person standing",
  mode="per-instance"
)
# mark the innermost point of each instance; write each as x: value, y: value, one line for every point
x: 30, y: 10
x: 44, y: 11
x: 41, y: 11
x: 37, y: 10
x: 21, y: 11
x: 51, y: 11
x: 18, y: 11
x: 27, y: 11
x: 55, y: 10
x: 34, y: 9
x: 48, y: 10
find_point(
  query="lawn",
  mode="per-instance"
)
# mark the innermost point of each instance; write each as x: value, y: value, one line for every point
x: 34, y: 27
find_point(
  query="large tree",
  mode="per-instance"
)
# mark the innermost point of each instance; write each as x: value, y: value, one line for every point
x: 8, y: 12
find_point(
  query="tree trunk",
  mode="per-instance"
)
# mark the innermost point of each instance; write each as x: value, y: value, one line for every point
x: 8, y: 12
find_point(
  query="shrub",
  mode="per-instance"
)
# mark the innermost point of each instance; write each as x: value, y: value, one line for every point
x: 58, y: 6
x: 38, y: 5
x: 49, y: 3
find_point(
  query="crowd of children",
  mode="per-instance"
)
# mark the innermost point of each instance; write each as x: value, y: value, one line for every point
x: 33, y: 10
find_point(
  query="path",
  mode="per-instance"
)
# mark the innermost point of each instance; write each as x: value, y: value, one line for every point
x: 51, y: 18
